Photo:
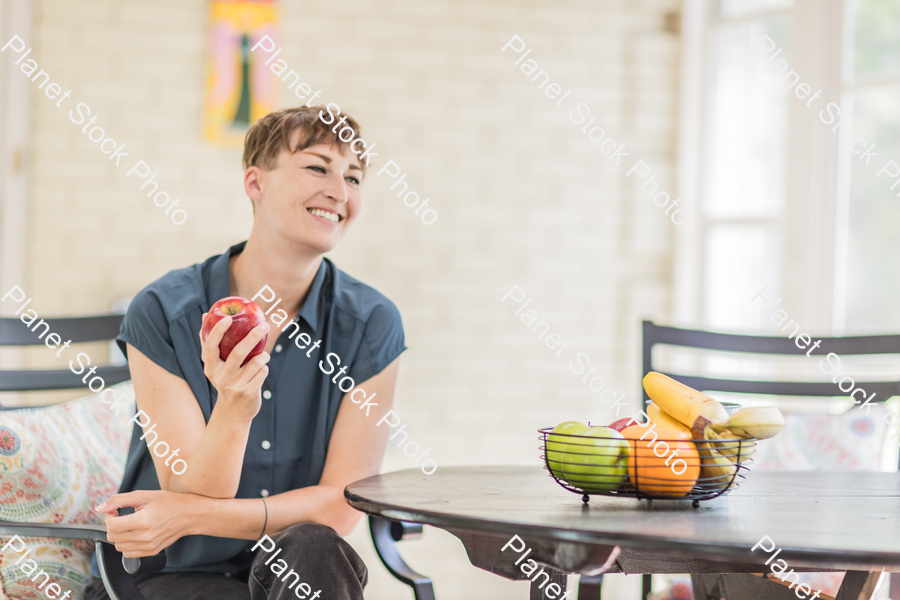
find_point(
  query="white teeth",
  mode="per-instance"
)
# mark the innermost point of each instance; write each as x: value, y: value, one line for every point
x: 325, y: 215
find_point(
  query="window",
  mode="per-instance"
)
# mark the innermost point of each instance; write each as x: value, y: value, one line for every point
x: 742, y: 184
x: 869, y: 267
x: 776, y: 198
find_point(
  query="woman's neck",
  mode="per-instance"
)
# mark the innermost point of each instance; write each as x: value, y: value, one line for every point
x: 288, y: 271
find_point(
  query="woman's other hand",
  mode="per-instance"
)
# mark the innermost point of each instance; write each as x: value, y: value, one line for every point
x: 159, y: 520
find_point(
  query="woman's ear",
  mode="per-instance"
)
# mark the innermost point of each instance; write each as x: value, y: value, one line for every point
x: 254, y: 181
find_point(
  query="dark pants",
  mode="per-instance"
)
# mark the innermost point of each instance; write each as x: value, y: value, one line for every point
x: 316, y: 553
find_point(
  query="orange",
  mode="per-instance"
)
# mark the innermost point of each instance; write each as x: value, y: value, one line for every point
x: 649, y: 472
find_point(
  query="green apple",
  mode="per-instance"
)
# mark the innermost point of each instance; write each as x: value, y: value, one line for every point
x: 556, y: 444
x: 598, y: 462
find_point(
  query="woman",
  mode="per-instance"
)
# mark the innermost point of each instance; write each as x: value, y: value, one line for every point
x: 270, y: 445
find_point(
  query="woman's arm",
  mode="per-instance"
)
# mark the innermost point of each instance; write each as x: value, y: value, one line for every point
x: 214, y: 451
x: 355, y: 451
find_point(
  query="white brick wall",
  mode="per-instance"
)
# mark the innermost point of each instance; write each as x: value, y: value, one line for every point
x: 522, y: 196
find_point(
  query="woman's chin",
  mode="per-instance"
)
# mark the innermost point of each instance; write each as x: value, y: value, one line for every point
x: 321, y: 244
x: 312, y: 240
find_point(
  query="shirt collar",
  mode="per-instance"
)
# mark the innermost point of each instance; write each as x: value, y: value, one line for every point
x: 219, y: 288
x: 218, y: 277
x: 309, y: 312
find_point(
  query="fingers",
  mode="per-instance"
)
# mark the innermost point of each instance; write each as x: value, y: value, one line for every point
x: 117, y: 501
x: 256, y: 364
x: 259, y: 377
x: 149, y: 529
x: 251, y: 376
x: 136, y: 549
x: 237, y: 383
x: 211, y: 345
x: 240, y: 352
x: 116, y: 525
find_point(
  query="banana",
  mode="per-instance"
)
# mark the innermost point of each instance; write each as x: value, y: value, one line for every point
x: 680, y: 402
x: 716, y: 471
x: 760, y: 423
x: 661, y: 418
x: 732, y: 447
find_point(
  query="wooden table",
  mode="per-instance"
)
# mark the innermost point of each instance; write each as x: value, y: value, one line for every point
x: 822, y: 521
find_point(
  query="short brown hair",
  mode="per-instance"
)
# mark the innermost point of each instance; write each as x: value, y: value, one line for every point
x: 267, y: 137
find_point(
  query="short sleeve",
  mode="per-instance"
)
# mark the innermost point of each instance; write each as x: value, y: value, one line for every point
x: 146, y: 327
x: 383, y: 341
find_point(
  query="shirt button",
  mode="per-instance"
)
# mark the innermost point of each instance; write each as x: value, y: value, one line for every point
x: 267, y: 394
x: 278, y: 348
x: 264, y: 493
x: 266, y: 445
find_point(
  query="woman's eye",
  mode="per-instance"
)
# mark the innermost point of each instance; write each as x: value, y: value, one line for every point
x: 317, y: 168
x: 353, y: 180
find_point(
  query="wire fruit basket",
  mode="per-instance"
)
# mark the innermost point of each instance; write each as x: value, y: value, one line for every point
x: 655, y: 468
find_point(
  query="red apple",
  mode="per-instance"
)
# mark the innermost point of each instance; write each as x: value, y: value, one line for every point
x: 620, y: 424
x: 245, y: 315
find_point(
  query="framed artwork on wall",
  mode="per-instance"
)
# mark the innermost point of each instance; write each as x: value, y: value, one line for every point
x: 237, y: 90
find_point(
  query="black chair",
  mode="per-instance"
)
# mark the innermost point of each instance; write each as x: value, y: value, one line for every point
x: 756, y: 344
x: 14, y: 332
x: 116, y: 570
x: 778, y: 345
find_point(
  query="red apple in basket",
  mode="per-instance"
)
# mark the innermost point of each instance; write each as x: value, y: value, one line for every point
x: 245, y: 315
x: 620, y: 424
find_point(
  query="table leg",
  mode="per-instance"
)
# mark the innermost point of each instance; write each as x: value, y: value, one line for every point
x: 590, y: 587
x: 858, y: 585
x: 739, y: 586
x: 703, y: 584
x: 556, y: 577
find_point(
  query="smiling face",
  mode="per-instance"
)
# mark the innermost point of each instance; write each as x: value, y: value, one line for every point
x: 310, y: 198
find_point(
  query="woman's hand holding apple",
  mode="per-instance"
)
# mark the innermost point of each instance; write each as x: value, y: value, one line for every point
x: 239, y: 385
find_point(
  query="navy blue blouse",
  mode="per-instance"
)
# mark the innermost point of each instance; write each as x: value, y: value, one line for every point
x: 289, y: 437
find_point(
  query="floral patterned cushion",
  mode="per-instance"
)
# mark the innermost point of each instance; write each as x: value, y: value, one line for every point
x: 56, y: 464
x: 848, y: 442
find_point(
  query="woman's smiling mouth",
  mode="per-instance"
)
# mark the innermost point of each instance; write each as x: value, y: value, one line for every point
x: 325, y: 215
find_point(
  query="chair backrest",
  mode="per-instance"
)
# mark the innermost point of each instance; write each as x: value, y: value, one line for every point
x: 14, y: 332
x: 756, y: 344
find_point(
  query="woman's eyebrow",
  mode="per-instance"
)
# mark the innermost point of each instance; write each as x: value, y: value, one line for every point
x: 327, y: 159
